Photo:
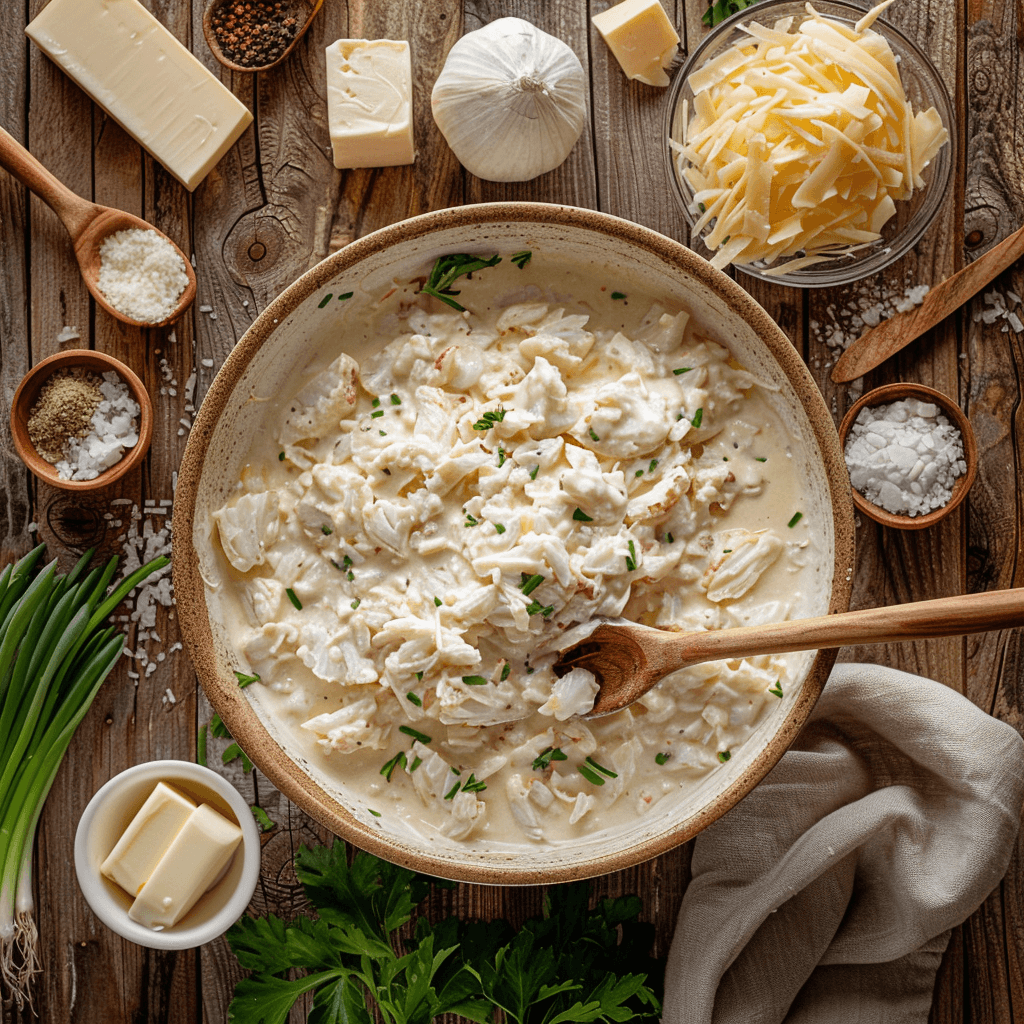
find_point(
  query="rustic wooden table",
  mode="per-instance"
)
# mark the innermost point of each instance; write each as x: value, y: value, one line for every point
x: 275, y: 206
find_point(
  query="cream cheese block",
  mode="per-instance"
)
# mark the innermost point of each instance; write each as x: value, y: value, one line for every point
x: 145, y: 80
x: 641, y: 37
x: 369, y: 102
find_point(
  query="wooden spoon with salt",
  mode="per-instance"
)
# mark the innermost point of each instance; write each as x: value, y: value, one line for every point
x: 627, y: 659
x: 88, y: 224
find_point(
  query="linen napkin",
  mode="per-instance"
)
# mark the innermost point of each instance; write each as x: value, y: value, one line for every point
x: 827, y: 894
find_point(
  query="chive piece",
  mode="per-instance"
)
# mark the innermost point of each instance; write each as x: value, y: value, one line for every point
x: 618, y: 295
x: 416, y: 762
x: 725, y: 458
x: 473, y: 785
x: 593, y: 436
x: 346, y: 561
x: 661, y: 758
x: 244, y: 680
x: 412, y: 698
x: 383, y: 433
x: 262, y: 818
x: 654, y: 464
x: 546, y: 756
x: 777, y: 689
x: 724, y: 755
x: 470, y: 521
x: 395, y: 400
x: 447, y: 269
x: 670, y: 538
x: 701, y: 206
x: 590, y: 775
x: 639, y: 473
x: 419, y: 675
x: 347, y: 295
x: 796, y: 519
x: 726, y: 551
x: 451, y: 792
x: 682, y: 369
x: 698, y: 417
x: 502, y: 457
x: 533, y: 472
x: 337, y: 566
x: 581, y: 517
x: 409, y: 731
x: 631, y: 558
x: 474, y: 680
x: 327, y: 298
x: 389, y: 768
x: 760, y: 460
x: 530, y: 671
x: 377, y: 414
x: 506, y: 670
x: 376, y: 403
x: 326, y: 530
x: 530, y: 583
x: 489, y: 418
x: 294, y: 600
x: 356, y: 603
x: 350, y: 575
x: 520, y: 259
x: 280, y: 456
x: 601, y: 768
x: 376, y: 814
x: 535, y: 607
x: 498, y: 528
x: 437, y: 602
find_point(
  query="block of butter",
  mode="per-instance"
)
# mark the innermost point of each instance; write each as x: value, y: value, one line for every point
x: 369, y: 102
x: 189, y: 866
x: 145, y: 80
x: 642, y: 38
x: 140, y: 848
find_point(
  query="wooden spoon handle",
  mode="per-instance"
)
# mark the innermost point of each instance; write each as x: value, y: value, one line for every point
x: 946, y: 616
x: 75, y: 213
x: 875, y: 346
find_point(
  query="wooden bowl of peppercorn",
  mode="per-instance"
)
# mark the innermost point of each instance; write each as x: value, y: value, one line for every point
x: 256, y: 35
x: 27, y: 396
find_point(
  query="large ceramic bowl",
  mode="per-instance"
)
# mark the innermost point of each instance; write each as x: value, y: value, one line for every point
x: 307, y: 317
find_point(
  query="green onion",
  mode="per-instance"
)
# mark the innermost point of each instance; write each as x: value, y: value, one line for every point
x: 474, y: 680
x: 55, y: 653
x: 201, y: 746
x: 698, y: 417
x: 437, y: 602
x: 389, y: 767
x: 377, y: 414
x: 760, y: 460
x: 506, y: 670
x: 498, y: 528
x: 419, y: 675
x: 376, y: 403
x: 326, y: 530
x: 593, y: 436
x: 530, y: 583
x: 416, y: 762
x: 654, y: 465
x: 796, y: 519
x: 631, y: 558
x: 639, y: 473
x: 409, y: 731
x: 470, y: 521
x: 501, y: 457
x: 661, y: 758
x: 356, y: 603
x: 294, y: 600
x: 451, y: 792
x: 395, y: 400
x: 581, y: 517
x: 473, y: 785
x: 376, y: 814
x: 327, y: 298
x: 670, y: 538
x: 413, y: 698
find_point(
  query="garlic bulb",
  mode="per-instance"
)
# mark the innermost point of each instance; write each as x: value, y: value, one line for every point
x: 510, y: 100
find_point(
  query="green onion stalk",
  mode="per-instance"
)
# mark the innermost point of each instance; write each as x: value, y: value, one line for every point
x: 55, y: 653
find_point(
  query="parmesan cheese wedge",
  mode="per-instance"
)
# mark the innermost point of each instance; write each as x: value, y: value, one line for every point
x: 800, y: 142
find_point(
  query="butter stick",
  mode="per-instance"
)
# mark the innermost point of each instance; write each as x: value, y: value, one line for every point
x: 145, y: 80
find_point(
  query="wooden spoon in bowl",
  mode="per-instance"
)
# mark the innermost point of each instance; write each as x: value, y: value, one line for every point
x: 627, y: 659
x: 88, y: 224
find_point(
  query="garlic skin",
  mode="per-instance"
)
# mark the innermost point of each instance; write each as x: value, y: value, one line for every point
x: 510, y: 101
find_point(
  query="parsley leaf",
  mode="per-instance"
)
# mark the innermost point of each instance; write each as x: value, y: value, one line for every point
x: 718, y: 11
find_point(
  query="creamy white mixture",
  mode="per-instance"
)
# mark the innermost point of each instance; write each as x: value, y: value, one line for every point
x: 413, y: 535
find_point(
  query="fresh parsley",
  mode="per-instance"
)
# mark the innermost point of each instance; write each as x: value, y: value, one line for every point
x: 718, y: 11
x: 661, y: 758
x: 776, y: 690
x: 447, y: 269
x: 520, y: 259
x: 543, y: 760
x: 489, y: 418
x: 244, y: 680
x: 581, y: 517
x: 262, y: 818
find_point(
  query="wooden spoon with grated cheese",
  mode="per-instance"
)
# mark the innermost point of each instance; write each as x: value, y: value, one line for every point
x: 88, y: 224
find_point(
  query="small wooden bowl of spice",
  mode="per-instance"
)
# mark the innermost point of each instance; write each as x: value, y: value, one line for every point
x: 911, y: 453
x: 256, y: 35
x: 81, y: 420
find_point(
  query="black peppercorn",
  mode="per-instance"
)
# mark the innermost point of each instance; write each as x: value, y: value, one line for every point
x: 256, y: 33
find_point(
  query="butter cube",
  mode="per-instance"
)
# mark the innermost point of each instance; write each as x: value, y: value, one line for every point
x: 190, y: 865
x: 145, y: 80
x: 369, y: 102
x: 642, y: 38
x: 140, y: 848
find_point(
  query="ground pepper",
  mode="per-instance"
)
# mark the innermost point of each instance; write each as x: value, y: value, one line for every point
x: 254, y: 33
x: 63, y: 410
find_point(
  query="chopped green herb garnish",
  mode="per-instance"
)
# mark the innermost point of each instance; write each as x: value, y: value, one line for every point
x: 506, y: 670
x: 498, y: 528
x: 327, y: 298
x: 533, y: 472
x: 294, y: 600
x: 796, y: 519
x: 377, y: 414
x: 601, y: 768
x: 376, y: 403
x: 473, y: 785
x: 451, y: 792
x: 661, y: 758
x: 530, y: 671
x: 470, y: 520
x: 419, y: 675
x: 395, y: 400
x: 724, y: 755
x: 546, y: 756
x: 698, y: 417
x: 581, y: 517
x: 682, y: 369
x: 474, y: 680
x: 326, y: 530
x: 376, y: 814
x: 389, y: 768
x: 489, y: 418
x: 356, y: 603
x: 413, y: 698
x: 631, y: 558
x: 416, y: 762
x: 346, y: 561
x: 520, y: 259
x: 777, y: 688
x: 245, y: 680
x: 347, y: 295
x: 653, y: 466
x: 501, y: 457
x: 383, y: 433
x: 670, y: 538
x: 280, y: 457
x: 701, y: 206
x: 447, y: 269
x: 410, y: 731
x: 639, y: 473
x: 530, y: 583
x: 261, y: 816
x: 590, y: 775
x: 437, y: 602
x: 350, y: 575
x: 760, y: 460
x: 618, y: 295
x: 535, y: 608
x: 593, y: 436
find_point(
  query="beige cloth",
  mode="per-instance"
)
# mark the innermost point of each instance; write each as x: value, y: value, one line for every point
x: 826, y: 895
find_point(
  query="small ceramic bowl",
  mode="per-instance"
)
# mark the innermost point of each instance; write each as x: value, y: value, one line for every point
x: 25, y: 398
x: 893, y: 393
x: 312, y: 6
x: 110, y: 812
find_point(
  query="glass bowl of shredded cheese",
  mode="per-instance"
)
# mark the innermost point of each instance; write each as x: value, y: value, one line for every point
x: 808, y: 145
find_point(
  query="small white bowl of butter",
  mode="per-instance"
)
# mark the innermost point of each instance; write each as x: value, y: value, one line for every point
x: 168, y: 854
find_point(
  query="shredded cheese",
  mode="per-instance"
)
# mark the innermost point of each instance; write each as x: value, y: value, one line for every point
x: 801, y: 141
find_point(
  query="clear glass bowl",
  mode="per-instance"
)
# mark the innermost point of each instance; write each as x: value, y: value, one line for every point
x: 924, y: 89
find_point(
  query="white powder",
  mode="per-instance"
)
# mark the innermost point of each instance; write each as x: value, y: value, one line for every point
x: 905, y: 456
x: 141, y: 274
x: 115, y: 427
